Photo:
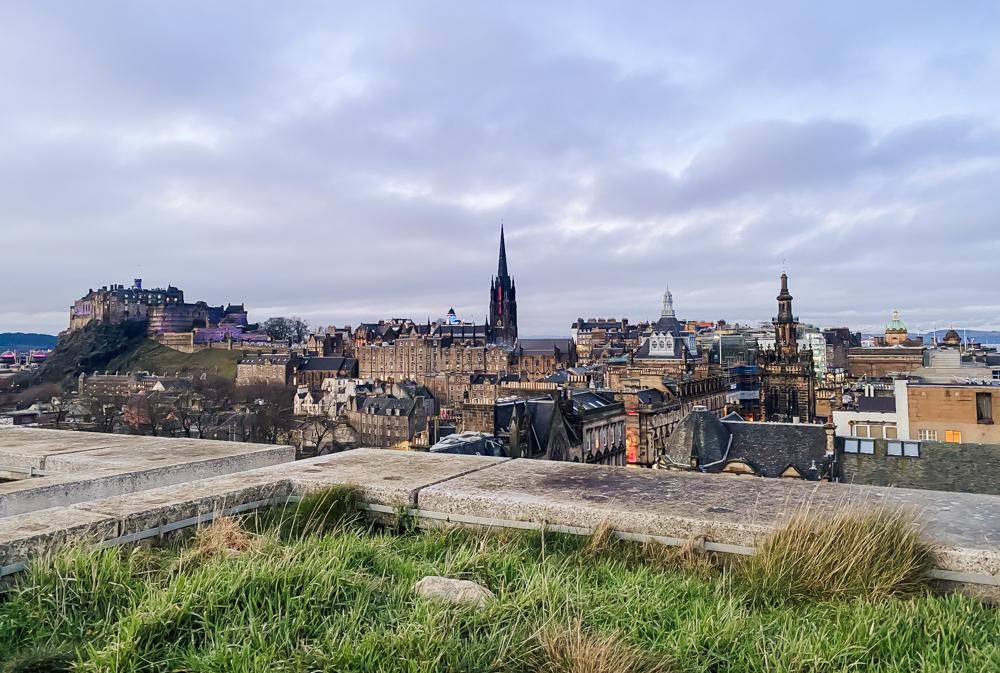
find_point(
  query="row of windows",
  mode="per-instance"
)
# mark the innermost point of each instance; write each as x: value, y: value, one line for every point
x: 875, y: 431
x: 954, y: 436
x: 896, y: 448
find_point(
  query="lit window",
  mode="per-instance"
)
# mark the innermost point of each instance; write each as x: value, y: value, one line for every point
x: 954, y: 436
x: 927, y: 435
x: 894, y: 449
x: 911, y: 449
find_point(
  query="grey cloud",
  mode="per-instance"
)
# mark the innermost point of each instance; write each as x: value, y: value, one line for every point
x: 350, y: 161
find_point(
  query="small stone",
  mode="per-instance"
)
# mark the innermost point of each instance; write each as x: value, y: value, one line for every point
x: 450, y: 590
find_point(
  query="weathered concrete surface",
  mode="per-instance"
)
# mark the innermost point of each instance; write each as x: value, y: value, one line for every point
x: 381, y: 477
x: 161, y: 506
x: 725, y: 509
x: 89, y: 466
x: 154, y: 452
x: 32, y: 535
x: 30, y: 447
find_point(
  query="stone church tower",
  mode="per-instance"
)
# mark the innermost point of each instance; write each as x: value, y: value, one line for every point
x: 787, y: 387
x: 503, y: 302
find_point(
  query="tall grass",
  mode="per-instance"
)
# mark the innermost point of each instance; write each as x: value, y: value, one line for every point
x: 342, y: 600
x: 854, y: 552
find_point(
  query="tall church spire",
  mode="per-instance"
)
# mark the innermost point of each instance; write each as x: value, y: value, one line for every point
x: 502, y: 265
x: 503, y: 301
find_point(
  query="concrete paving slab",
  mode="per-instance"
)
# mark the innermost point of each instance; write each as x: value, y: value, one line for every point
x: 31, y: 535
x: 737, y: 510
x: 88, y: 466
x: 162, y: 506
x: 382, y: 476
x: 30, y: 447
x: 150, y: 452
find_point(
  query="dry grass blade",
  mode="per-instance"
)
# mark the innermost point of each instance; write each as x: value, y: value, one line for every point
x: 601, y: 540
x: 223, y: 537
x: 572, y: 649
x: 857, y: 552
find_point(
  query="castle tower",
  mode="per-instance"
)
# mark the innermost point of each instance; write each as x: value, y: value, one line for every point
x: 503, y: 302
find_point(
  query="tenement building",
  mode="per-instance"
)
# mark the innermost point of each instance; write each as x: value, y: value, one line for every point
x: 787, y: 389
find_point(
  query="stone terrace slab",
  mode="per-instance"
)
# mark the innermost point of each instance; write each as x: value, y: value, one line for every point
x: 36, y: 533
x: 724, y: 509
x: 88, y: 466
x: 382, y: 477
x: 161, y: 506
x: 30, y: 447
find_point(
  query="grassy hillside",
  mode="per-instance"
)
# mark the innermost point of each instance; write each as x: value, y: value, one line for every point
x: 339, y: 596
x: 86, y: 350
x: 147, y: 355
x: 123, y: 348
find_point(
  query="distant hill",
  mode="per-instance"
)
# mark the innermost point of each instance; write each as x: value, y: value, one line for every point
x: 123, y: 348
x: 26, y: 341
x: 979, y: 336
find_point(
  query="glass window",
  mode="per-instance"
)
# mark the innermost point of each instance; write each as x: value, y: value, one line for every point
x: 894, y: 449
x: 860, y: 430
x: 927, y: 435
x: 954, y: 436
x: 868, y: 446
x: 890, y: 432
x: 911, y: 449
x: 876, y: 431
x: 850, y: 446
x: 984, y: 407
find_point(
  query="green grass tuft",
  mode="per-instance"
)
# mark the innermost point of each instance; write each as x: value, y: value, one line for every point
x: 870, y: 553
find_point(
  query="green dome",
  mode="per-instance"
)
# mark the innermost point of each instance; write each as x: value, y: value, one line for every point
x: 895, y: 325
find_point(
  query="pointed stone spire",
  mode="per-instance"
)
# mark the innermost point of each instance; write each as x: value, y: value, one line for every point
x: 502, y: 265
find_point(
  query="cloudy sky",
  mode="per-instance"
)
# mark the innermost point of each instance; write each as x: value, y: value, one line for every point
x: 350, y: 162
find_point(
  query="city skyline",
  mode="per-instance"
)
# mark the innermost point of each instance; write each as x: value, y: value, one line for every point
x: 346, y: 164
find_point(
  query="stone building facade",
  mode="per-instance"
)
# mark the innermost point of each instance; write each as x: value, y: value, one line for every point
x: 884, y: 362
x: 266, y: 369
x: 388, y: 422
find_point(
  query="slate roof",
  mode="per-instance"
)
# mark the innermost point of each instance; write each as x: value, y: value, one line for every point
x: 700, y: 435
x: 768, y: 448
x: 341, y: 365
x: 588, y: 400
x: 771, y: 447
x: 387, y: 406
x: 668, y: 324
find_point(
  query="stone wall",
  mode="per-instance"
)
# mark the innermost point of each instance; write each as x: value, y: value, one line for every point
x: 971, y: 468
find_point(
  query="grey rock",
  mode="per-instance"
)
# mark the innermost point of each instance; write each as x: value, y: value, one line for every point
x: 462, y: 592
